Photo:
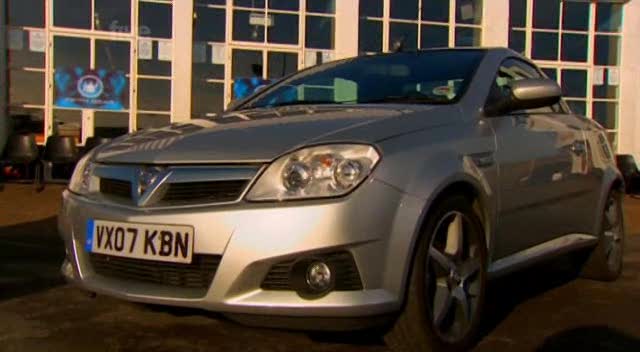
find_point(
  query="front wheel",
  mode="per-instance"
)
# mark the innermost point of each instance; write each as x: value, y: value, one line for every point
x: 446, y: 284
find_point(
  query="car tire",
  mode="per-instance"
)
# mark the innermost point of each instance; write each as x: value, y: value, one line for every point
x: 604, y: 262
x: 421, y: 326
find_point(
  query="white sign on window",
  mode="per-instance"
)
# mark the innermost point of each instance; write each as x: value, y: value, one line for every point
x: 466, y: 11
x: 310, y: 58
x: 326, y: 56
x: 614, y: 76
x: 259, y: 19
x: 145, y: 49
x: 15, y: 39
x: 218, y: 54
x: 37, y: 41
x: 164, y: 51
x: 598, y: 76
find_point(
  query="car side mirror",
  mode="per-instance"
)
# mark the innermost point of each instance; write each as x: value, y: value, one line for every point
x: 530, y: 93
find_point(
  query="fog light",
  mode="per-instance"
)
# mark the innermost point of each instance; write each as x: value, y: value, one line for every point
x: 318, y: 277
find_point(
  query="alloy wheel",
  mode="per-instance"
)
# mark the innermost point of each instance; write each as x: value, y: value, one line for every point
x: 613, y: 232
x: 454, y: 282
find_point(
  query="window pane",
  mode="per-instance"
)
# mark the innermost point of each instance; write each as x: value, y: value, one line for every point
x: 607, y: 50
x: 371, y: 8
x: 113, y: 15
x: 370, y: 36
x: 155, y: 20
x: 517, y: 13
x: 435, y: 10
x: 154, y: 66
x: 574, y: 83
x: 608, y: 17
x: 606, y: 113
x: 27, y: 120
x: 24, y: 57
x: 211, y: 2
x: 574, y: 47
x: 71, y: 52
x: 321, y: 6
x: 319, y: 32
x: 112, y: 55
x: 80, y: 17
x: 203, y: 66
x: 154, y: 94
x: 517, y: 40
x: 605, y: 90
x: 246, y: 63
x: 28, y: 13
x: 145, y: 121
x: 545, y: 46
x: 258, y: 4
x: 67, y: 123
x: 26, y: 87
x: 207, y: 98
x: 575, y: 16
x: 281, y: 64
x: 404, y: 9
x: 110, y: 124
x: 578, y: 106
x: 552, y: 73
x: 469, y: 11
x: 546, y: 14
x: 433, y: 36
x: 290, y: 5
x: 284, y: 29
x: 209, y: 24
x: 468, y: 36
x: 243, y: 30
x: 405, y: 33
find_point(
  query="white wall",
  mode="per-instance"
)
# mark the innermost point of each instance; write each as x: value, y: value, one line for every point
x: 495, y: 19
x: 629, y: 127
x: 346, y: 37
x: 181, y: 60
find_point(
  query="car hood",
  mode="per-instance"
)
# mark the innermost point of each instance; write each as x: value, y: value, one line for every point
x: 255, y: 135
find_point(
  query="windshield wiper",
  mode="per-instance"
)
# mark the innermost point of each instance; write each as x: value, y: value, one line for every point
x: 407, y: 99
x: 300, y: 102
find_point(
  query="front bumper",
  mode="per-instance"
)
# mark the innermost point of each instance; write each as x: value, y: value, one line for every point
x: 252, y: 237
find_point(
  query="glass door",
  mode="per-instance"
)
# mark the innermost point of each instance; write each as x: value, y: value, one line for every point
x: 91, y: 86
x: 253, y: 69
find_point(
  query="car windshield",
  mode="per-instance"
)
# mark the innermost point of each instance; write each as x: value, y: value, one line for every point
x: 429, y: 77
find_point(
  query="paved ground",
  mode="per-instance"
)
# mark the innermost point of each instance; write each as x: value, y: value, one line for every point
x: 543, y: 309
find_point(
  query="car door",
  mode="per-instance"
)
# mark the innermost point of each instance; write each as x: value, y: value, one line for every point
x: 537, y: 152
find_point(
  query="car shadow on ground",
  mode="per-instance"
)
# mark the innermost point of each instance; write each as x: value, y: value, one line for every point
x: 590, y: 338
x: 30, y: 258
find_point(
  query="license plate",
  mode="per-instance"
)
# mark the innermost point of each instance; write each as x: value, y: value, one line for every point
x: 167, y: 243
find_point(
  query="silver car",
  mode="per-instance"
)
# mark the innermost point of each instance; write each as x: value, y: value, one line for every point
x: 381, y: 190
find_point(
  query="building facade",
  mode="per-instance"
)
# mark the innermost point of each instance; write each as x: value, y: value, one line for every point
x: 108, y: 67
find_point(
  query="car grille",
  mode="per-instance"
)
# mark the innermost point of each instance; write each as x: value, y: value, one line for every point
x: 117, y: 188
x: 183, y: 192
x: 197, y: 275
x: 342, y: 263
x: 218, y: 191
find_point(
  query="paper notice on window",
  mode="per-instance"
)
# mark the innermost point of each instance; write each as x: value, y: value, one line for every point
x: 327, y: 56
x: 218, y: 54
x: 37, y: 41
x: 598, y: 76
x: 466, y: 11
x: 164, y: 51
x: 310, y: 58
x: 199, y: 52
x: 145, y: 49
x: 15, y: 39
x: 614, y: 76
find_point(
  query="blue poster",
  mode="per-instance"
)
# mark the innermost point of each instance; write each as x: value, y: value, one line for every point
x: 90, y: 89
x: 244, y: 87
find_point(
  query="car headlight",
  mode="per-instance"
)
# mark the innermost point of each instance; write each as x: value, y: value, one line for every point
x: 315, y: 172
x: 81, y: 179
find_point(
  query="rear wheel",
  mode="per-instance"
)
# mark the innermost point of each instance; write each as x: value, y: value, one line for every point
x: 605, y: 261
x: 447, y: 283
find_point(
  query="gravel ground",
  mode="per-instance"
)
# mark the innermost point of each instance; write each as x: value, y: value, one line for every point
x: 542, y: 309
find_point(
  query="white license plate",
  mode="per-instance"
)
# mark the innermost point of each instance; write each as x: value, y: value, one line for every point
x: 167, y: 243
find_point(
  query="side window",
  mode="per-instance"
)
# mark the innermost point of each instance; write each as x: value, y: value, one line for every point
x: 513, y: 70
